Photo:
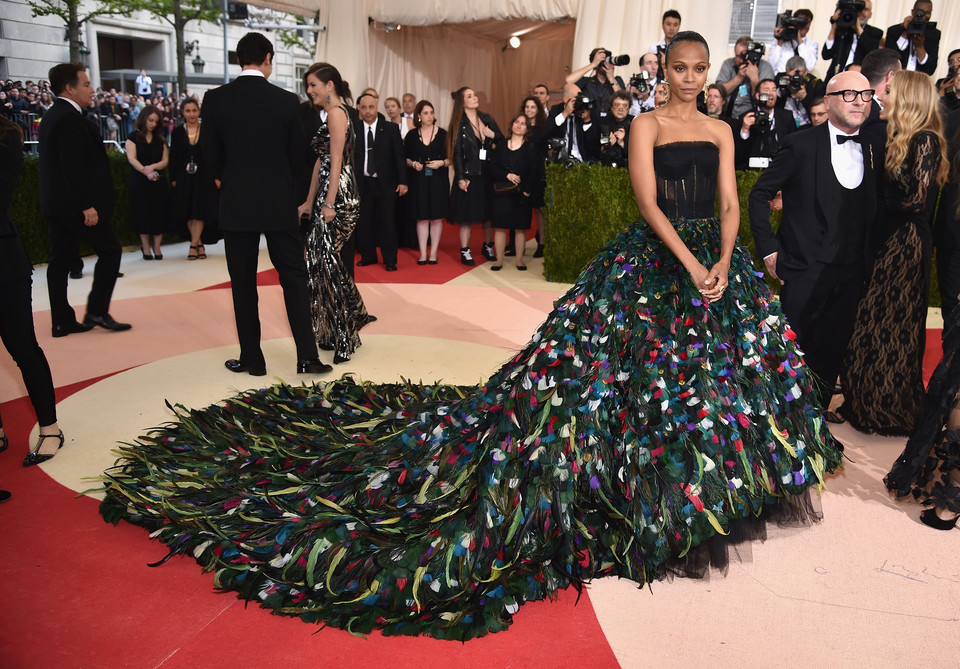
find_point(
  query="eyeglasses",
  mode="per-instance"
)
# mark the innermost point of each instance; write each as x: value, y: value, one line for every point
x: 850, y: 95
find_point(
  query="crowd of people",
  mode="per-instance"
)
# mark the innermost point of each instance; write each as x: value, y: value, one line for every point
x: 854, y: 162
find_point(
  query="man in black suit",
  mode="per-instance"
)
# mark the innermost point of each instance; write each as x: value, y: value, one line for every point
x: 918, y: 50
x: 382, y: 169
x: 254, y: 141
x: 829, y: 176
x: 946, y: 232
x: 879, y: 67
x: 581, y: 137
x: 849, y: 44
x: 758, y: 140
x: 77, y: 199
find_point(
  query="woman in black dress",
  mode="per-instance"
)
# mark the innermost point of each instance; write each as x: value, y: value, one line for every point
x: 536, y: 122
x: 16, y: 323
x: 883, y: 367
x: 194, y: 195
x: 518, y: 175
x: 148, y: 156
x: 425, y: 148
x: 470, y: 141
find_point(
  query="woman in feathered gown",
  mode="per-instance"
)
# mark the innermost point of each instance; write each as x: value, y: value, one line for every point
x: 332, y: 207
x: 661, y: 401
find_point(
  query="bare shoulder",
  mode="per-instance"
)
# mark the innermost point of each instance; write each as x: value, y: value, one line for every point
x: 719, y: 130
x: 645, y: 125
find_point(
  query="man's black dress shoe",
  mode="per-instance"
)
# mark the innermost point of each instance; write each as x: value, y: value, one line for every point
x: 4, y: 496
x: 365, y: 263
x: 238, y: 367
x: 70, y: 328
x: 76, y: 275
x: 391, y: 268
x: 326, y: 347
x: 313, y: 367
x: 106, y: 322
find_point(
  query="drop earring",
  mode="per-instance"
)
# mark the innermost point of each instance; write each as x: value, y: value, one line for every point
x: 328, y: 98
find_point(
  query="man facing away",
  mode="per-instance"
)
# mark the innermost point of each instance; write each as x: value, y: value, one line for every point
x: 829, y: 176
x: 77, y: 199
x: 253, y: 138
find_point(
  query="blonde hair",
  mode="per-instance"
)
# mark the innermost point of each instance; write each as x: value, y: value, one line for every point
x: 914, y: 108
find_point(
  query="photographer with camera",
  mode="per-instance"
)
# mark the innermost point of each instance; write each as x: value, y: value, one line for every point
x: 850, y: 38
x: 917, y: 39
x: 615, y: 131
x: 602, y: 85
x: 791, y: 40
x: 571, y: 134
x: 740, y: 75
x: 798, y: 89
x: 641, y: 85
x: 949, y: 86
x: 762, y: 129
x: 671, y: 26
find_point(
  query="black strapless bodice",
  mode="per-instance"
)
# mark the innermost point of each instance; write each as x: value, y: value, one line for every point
x: 686, y: 174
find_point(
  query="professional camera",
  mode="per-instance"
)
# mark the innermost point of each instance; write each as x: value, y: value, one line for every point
x: 639, y: 81
x: 754, y: 52
x: 556, y: 144
x: 849, y: 14
x: 617, y: 61
x: 790, y: 26
x: 762, y: 114
x: 583, y: 103
x: 918, y: 23
x: 790, y: 83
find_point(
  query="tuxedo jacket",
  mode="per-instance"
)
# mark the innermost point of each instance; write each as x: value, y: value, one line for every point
x: 388, y: 155
x: 74, y: 168
x: 931, y: 42
x: 812, y: 200
x: 840, y: 51
x: 588, y: 141
x: 744, y: 149
x: 946, y: 231
x: 253, y: 141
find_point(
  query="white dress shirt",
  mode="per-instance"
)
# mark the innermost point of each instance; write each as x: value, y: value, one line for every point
x: 779, y: 54
x: 373, y: 128
x: 903, y: 43
x: 846, y: 158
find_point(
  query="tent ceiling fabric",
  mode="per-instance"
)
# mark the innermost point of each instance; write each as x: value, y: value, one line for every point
x: 497, y: 30
x: 432, y: 12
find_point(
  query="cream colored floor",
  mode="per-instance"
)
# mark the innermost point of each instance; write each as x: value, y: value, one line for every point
x: 868, y: 587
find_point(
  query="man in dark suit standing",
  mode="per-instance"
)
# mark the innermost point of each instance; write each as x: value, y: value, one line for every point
x: 849, y: 43
x: 918, y: 50
x: 756, y: 143
x: 383, y: 177
x: 77, y: 198
x: 254, y: 141
x: 829, y: 176
x: 581, y: 138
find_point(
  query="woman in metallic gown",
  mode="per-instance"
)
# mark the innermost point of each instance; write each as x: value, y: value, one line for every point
x: 332, y: 207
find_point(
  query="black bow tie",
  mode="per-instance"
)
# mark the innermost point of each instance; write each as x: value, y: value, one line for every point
x: 849, y: 138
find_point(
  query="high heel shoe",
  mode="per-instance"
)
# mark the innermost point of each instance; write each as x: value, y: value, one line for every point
x: 931, y: 519
x: 146, y: 256
x: 194, y: 253
x: 34, y: 457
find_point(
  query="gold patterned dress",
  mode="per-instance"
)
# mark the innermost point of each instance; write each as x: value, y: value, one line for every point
x: 336, y: 306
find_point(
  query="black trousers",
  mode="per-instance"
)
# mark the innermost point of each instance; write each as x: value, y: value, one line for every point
x: 948, y: 273
x: 18, y: 335
x: 376, y: 225
x: 286, y: 253
x: 348, y: 253
x: 65, y: 237
x: 821, y: 305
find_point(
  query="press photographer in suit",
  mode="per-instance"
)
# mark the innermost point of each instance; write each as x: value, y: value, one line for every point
x: 566, y: 122
x: 382, y: 177
x: 850, y: 38
x: 917, y: 39
x: 762, y: 130
x: 253, y: 137
x: 829, y: 176
x: 77, y: 199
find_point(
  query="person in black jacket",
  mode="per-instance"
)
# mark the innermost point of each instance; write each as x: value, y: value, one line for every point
x: 918, y: 52
x: 946, y: 232
x: 382, y: 177
x: 471, y: 137
x: 615, y: 131
x: 848, y: 46
x: 762, y: 131
x: 253, y: 140
x: 581, y: 138
x: 16, y: 326
x: 77, y: 199
x: 518, y: 178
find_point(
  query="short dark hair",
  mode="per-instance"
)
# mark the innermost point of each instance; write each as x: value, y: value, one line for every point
x: 680, y: 38
x: 762, y: 82
x: 720, y: 89
x: 253, y: 49
x: 878, y: 64
x: 620, y: 95
x: 746, y: 39
x: 63, y: 75
x: 816, y: 101
x: 671, y: 14
x: 365, y: 95
x: 594, y: 52
x: 544, y: 86
x: 804, y: 12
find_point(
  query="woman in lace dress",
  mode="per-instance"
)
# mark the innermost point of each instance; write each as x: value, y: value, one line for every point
x: 882, y: 372
x: 332, y: 205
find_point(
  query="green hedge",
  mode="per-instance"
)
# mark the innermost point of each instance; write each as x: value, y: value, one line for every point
x: 25, y: 207
x: 587, y: 206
